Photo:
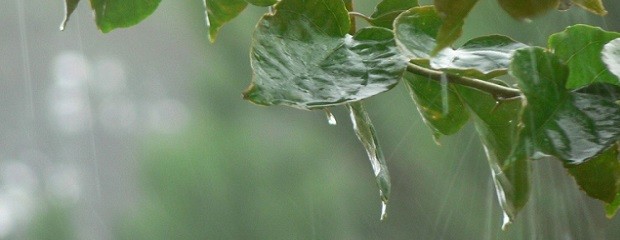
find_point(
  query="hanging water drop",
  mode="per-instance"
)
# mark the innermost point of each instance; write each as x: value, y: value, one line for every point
x: 383, y: 210
x: 330, y: 117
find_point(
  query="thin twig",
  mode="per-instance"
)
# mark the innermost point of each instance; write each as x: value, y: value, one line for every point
x: 498, y: 91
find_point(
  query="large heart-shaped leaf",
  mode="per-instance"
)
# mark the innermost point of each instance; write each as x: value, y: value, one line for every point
x: 111, y: 14
x: 440, y: 106
x: 387, y: 10
x: 219, y: 12
x: 483, y: 57
x: 611, y: 57
x: 599, y: 177
x: 580, y: 48
x: 453, y: 13
x: 303, y: 58
x: 497, y: 128
x: 365, y: 132
x: 70, y: 6
x: 415, y: 31
x: 522, y: 9
x: 571, y: 126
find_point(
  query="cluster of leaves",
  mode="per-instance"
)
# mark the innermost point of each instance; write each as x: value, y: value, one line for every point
x: 563, y: 101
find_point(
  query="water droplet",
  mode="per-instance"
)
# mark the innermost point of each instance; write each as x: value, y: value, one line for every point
x: 383, y: 210
x: 506, y: 223
x: 330, y: 117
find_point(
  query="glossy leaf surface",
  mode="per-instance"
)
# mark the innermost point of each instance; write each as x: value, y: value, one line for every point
x: 453, y: 13
x: 523, y: 9
x: 303, y: 58
x: 415, y: 32
x: 497, y: 128
x: 571, y: 126
x: 599, y: 177
x: 262, y: 3
x: 219, y: 12
x: 387, y: 10
x: 365, y: 132
x: 611, y: 58
x: 440, y: 107
x: 595, y: 6
x: 112, y: 14
x: 70, y: 6
x: 482, y: 57
x: 580, y: 48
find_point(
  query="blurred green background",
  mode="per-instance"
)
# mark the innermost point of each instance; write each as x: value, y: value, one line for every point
x: 142, y: 134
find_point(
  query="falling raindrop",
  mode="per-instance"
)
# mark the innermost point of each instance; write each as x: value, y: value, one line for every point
x: 330, y: 118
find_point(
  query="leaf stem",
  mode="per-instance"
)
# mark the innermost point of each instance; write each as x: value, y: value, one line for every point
x: 360, y: 15
x: 499, y: 92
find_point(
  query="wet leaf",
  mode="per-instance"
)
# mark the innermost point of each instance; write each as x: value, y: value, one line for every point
x: 262, y: 3
x: 70, y: 6
x: 219, y: 12
x: 365, y: 132
x: 112, y: 14
x: 303, y: 58
x: 387, y: 10
x: 580, y: 48
x: 523, y: 9
x: 595, y: 6
x: 599, y: 177
x: 611, y: 57
x: 453, y: 13
x: 441, y: 108
x: 415, y: 31
x: 497, y: 128
x: 571, y: 126
x: 482, y: 57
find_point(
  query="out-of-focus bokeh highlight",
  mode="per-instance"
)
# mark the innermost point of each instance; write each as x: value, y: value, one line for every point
x: 142, y: 134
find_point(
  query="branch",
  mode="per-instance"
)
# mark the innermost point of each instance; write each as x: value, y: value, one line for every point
x: 499, y: 92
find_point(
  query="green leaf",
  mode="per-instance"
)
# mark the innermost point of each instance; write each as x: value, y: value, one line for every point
x: 599, y: 177
x: 111, y: 14
x: 595, y: 6
x: 580, y: 48
x: 415, y: 31
x: 303, y: 58
x: 219, y: 12
x: 262, y: 3
x: 497, y: 128
x: 523, y: 9
x: 612, y: 208
x: 483, y: 57
x: 387, y: 10
x: 453, y: 13
x: 611, y: 57
x: 365, y: 132
x: 70, y: 6
x: 571, y: 126
x: 440, y: 106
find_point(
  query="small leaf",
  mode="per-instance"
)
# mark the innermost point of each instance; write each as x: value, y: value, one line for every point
x: 111, y: 14
x: 523, y: 9
x: 595, y: 6
x: 599, y: 177
x: 70, y: 6
x: 387, y: 10
x: 571, y: 126
x: 483, y: 57
x: 303, y: 58
x: 415, y: 31
x: 440, y: 107
x: 453, y: 13
x: 580, y: 48
x: 219, y: 12
x: 262, y: 3
x: 365, y: 132
x: 611, y: 57
x: 497, y: 128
